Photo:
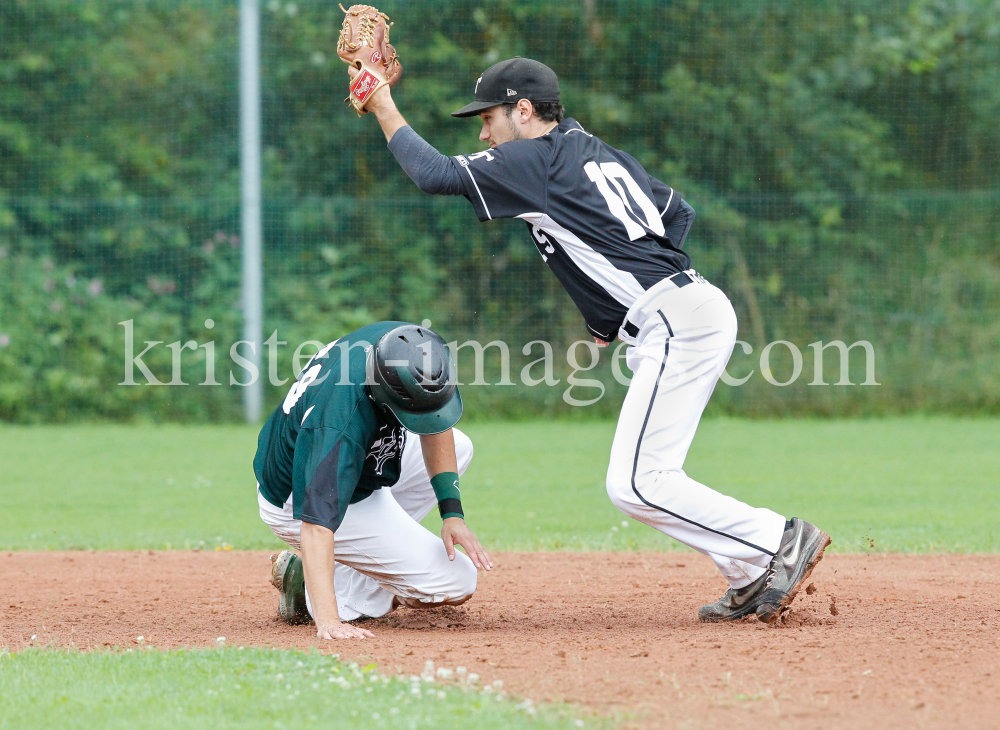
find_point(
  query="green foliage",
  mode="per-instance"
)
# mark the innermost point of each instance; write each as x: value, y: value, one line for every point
x: 912, y: 485
x: 62, y: 350
x: 247, y: 688
x: 842, y: 157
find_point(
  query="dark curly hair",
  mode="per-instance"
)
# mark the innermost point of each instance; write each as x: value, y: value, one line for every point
x: 547, y: 111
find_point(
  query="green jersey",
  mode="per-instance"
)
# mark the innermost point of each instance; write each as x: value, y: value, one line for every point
x: 328, y: 444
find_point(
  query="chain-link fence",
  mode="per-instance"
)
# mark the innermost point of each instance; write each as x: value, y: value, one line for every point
x: 842, y: 157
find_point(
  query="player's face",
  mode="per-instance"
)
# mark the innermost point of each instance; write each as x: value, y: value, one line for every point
x: 498, y: 127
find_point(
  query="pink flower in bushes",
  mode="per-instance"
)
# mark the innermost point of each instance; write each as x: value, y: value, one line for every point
x: 161, y: 286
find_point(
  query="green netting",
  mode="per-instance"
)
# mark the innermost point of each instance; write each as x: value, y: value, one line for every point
x: 842, y: 157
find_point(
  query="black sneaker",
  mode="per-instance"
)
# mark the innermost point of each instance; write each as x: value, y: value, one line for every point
x: 737, y: 603
x: 802, y: 547
x: 290, y: 580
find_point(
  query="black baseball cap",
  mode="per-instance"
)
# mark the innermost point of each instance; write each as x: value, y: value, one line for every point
x: 510, y: 81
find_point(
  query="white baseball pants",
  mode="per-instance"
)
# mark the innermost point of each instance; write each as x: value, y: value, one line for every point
x: 381, y: 549
x: 685, y: 338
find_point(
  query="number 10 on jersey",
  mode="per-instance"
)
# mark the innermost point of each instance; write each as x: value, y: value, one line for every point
x: 612, y: 173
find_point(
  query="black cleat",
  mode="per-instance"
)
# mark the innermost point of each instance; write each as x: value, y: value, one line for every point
x: 737, y: 603
x: 289, y: 578
x: 802, y: 546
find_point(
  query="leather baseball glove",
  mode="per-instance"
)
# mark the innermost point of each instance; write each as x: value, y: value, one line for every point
x: 364, y: 43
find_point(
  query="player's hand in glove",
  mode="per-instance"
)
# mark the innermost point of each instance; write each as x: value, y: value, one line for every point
x: 364, y: 44
x: 338, y: 630
x: 454, y: 532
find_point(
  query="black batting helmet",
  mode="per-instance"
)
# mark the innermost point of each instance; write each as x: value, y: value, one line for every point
x: 413, y: 375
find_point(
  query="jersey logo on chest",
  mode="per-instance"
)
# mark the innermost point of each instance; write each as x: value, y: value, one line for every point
x: 388, y: 447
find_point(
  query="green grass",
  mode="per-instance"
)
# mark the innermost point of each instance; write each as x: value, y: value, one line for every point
x: 909, y: 484
x: 247, y: 689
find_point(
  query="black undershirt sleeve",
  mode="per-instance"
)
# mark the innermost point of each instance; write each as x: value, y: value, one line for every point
x: 429, y: 169
x: 678, y: 226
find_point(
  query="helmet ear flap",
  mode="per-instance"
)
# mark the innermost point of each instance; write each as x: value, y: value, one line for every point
x: 407, y: 377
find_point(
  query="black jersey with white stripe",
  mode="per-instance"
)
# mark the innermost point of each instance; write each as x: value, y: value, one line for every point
x: 595, y: 215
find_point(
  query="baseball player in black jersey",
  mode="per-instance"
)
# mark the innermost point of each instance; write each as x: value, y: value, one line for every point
x: 613, y: 235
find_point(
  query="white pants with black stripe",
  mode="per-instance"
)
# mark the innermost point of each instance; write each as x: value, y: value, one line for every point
x: 685, y: 338
x: 381, y: 548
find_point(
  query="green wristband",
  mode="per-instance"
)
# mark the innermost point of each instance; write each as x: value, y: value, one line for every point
x: 449, y: 496
x: 445, y: 486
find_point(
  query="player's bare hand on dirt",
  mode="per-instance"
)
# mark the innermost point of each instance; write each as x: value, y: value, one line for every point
x: 338, y: 630
x: 454, y: 532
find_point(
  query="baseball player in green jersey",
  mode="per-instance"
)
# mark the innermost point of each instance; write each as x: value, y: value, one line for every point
x: 348, y: 465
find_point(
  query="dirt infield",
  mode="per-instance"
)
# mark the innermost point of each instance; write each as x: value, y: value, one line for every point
x: 882, y: 641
